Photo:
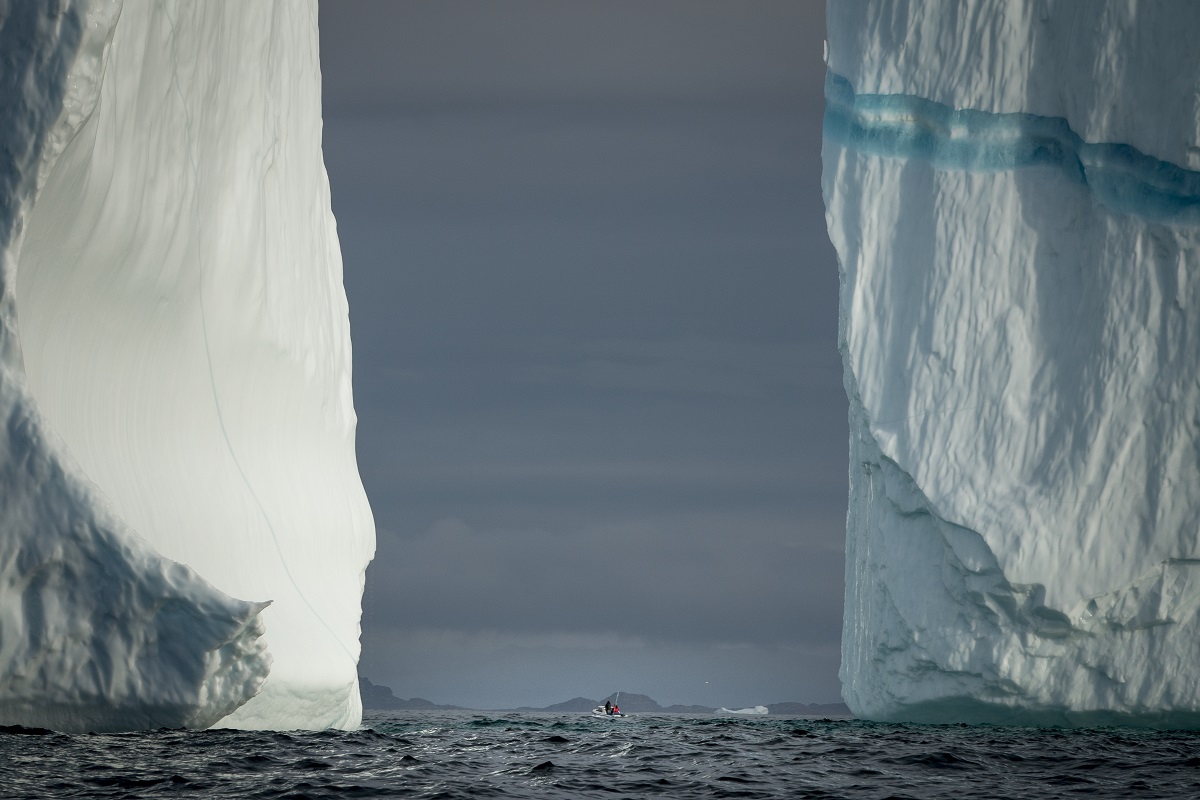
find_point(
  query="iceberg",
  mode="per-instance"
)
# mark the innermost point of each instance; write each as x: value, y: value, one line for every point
x: 183, y: 531
x: 1013, y: 191
x: 753, y: 711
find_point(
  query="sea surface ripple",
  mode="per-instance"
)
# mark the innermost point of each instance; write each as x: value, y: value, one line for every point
x: 534, y: 755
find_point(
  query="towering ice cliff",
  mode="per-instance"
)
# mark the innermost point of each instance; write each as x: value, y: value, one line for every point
x: 1012, y: 191
x: 176, y: 421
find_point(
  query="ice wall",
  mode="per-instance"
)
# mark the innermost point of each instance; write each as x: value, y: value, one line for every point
x: 1012, y: 191
x: 174, y: 373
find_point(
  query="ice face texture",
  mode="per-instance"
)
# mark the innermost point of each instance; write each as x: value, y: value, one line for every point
x: 176, y: 420
x: 1011, y: 188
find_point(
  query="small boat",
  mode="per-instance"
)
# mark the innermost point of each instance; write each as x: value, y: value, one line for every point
x: 599, y: 711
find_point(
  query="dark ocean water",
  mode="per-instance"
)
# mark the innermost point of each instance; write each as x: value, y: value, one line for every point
x: 464, y: 754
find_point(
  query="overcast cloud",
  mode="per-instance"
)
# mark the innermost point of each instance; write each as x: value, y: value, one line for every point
x: 594, y: 313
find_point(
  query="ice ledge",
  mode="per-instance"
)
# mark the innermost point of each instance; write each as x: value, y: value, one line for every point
x: 934, y: 631
x: 97, y: 631
x: 1119, y: 176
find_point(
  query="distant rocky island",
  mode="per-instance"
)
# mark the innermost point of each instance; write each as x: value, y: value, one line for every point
x: 381, y: 698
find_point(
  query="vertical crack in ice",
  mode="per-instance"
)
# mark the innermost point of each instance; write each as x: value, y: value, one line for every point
x: 212, y: 375
x: 1119, y: 176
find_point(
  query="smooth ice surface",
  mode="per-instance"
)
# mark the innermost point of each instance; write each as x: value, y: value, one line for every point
x: 1012, y: 193
x: 174, y: 373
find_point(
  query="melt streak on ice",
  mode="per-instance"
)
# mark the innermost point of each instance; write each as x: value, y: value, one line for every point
x: 1012, y: 191
x: 176, y: 419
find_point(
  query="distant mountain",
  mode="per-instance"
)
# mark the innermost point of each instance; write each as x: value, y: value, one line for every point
x: 642, y: 704
x: 633, y: 703
x: 379, y: 697
x: 567, y: 706
x: 810, y: 709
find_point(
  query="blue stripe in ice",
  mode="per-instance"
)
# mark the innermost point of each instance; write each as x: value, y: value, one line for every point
x: 1120, y: 176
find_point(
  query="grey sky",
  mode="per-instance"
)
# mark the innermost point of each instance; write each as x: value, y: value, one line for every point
x: 594, y: 313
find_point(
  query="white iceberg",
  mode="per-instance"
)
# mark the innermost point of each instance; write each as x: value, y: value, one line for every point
x: 756, y: 710
x: 1012, y: 191
x: 176, y: 419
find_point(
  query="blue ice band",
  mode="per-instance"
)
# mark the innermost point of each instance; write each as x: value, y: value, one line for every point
x: 1119, y: 176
